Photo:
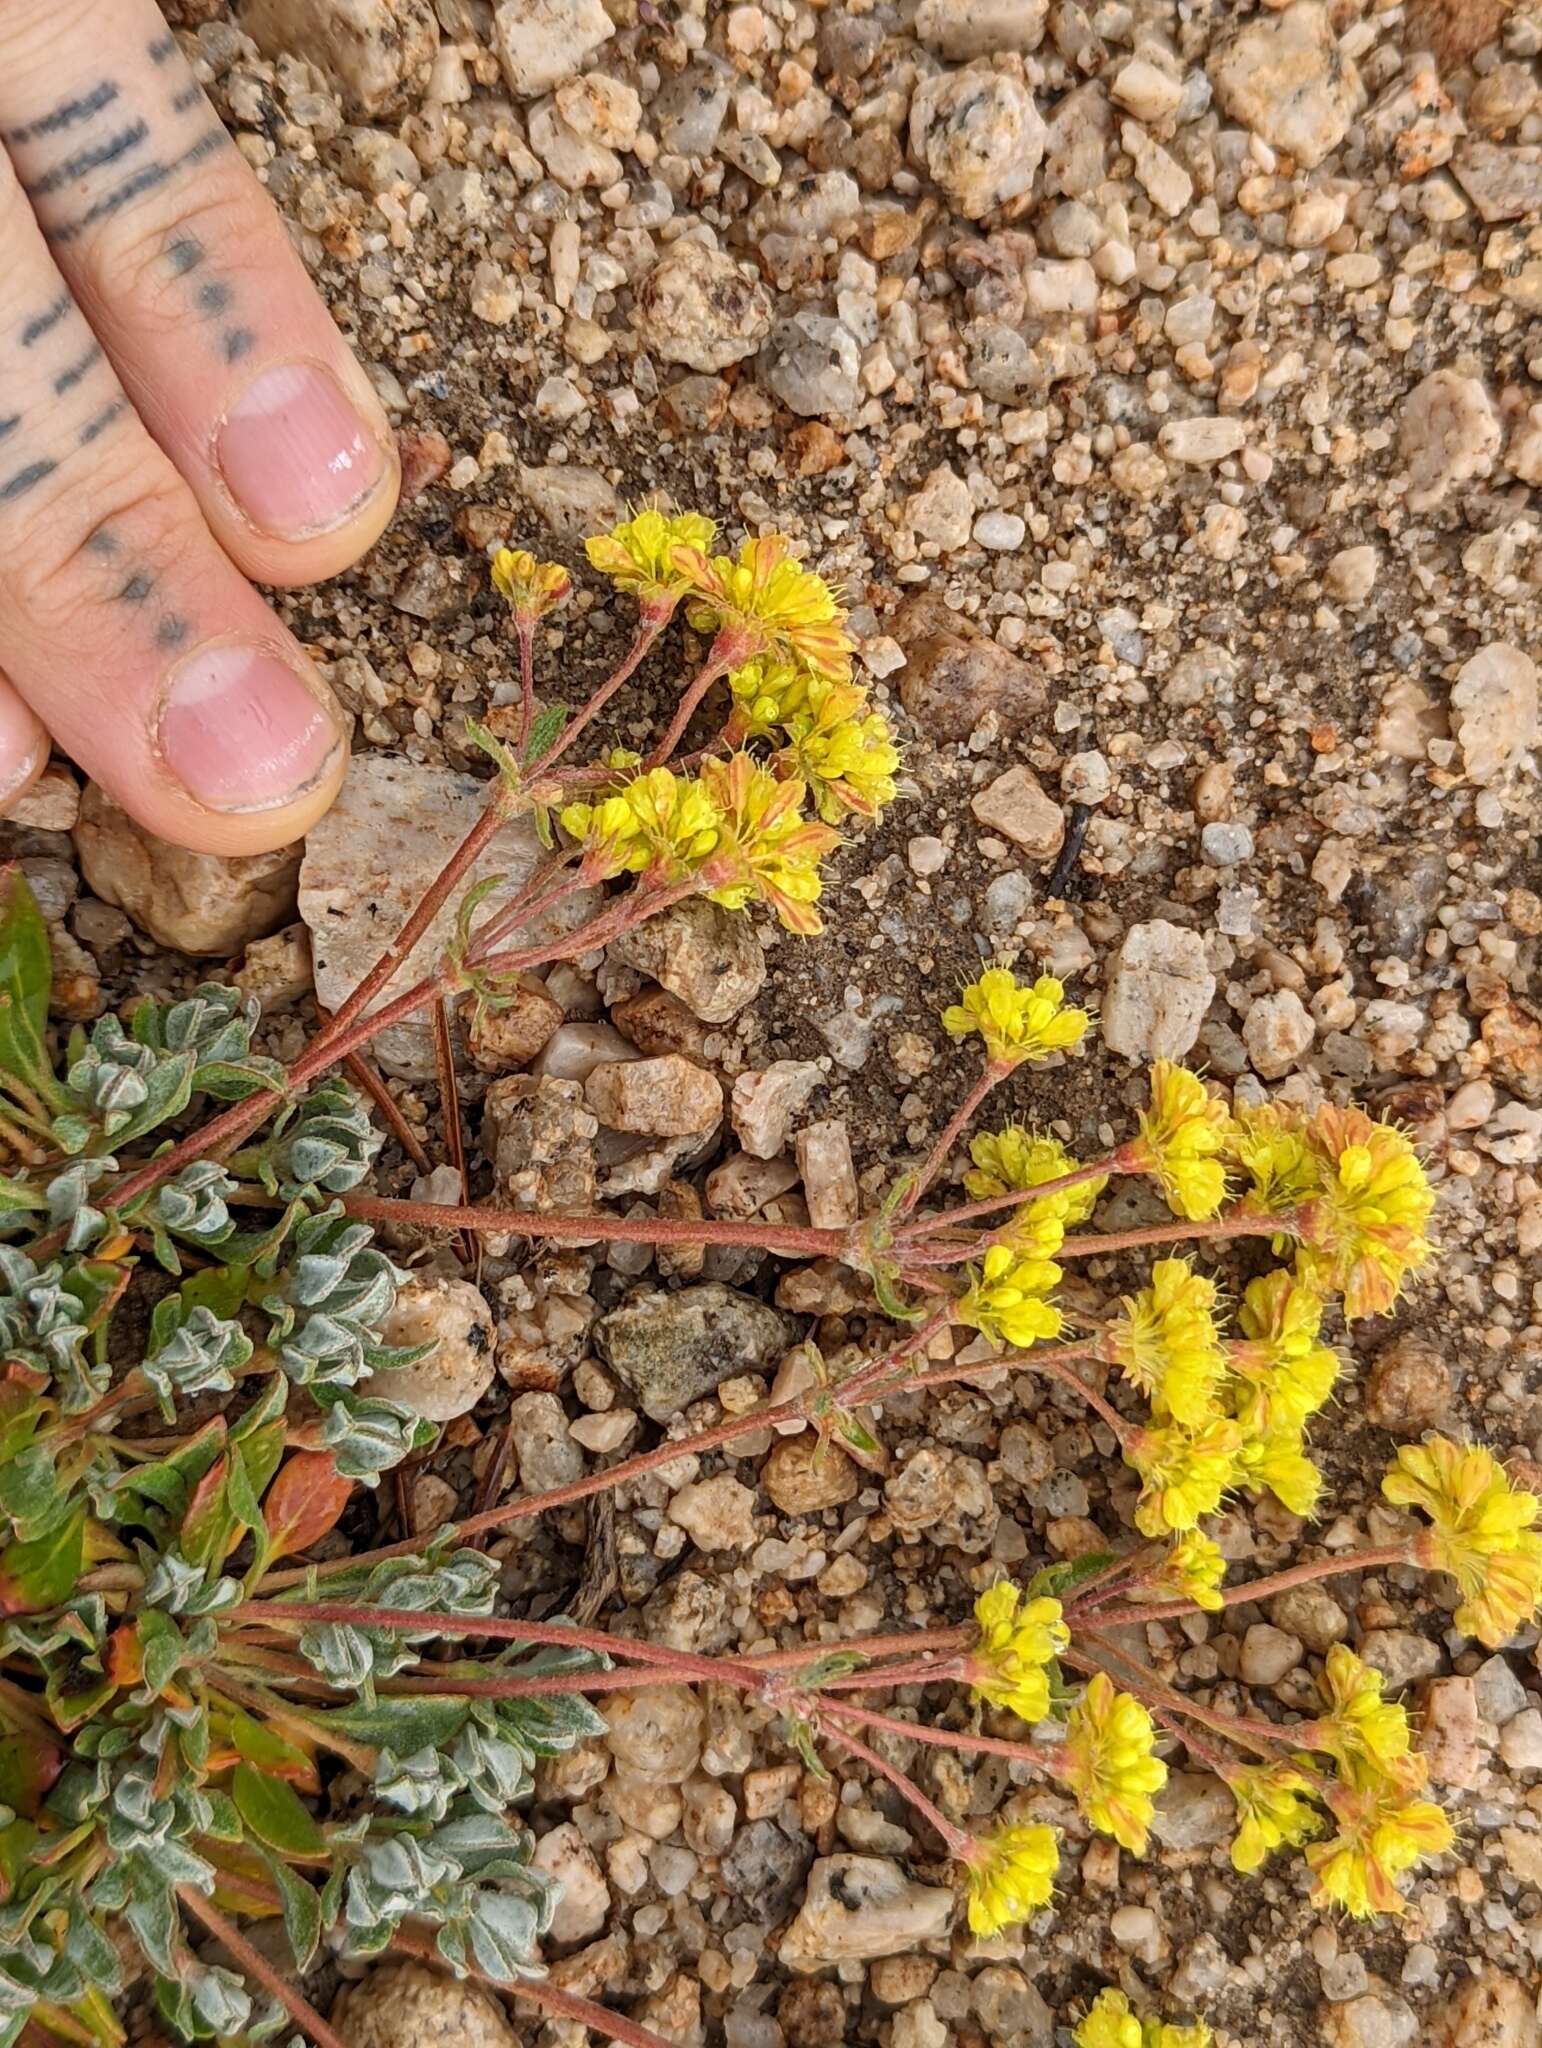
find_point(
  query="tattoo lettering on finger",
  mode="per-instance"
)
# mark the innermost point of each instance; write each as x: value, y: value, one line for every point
x: 136, y: 589
x: 25, y: 480
x: 45, y: 323
x: 72, y: 374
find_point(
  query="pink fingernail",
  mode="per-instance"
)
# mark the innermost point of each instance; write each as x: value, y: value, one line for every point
x: 295, y: 454
x: 241, y: 731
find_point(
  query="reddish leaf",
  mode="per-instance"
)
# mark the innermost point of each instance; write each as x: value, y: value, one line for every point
x: 206, y: 1524
x: 304, y: 1502
x: 125, y: 1664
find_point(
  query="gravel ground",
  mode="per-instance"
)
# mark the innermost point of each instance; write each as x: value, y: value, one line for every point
x: 1163, y: 384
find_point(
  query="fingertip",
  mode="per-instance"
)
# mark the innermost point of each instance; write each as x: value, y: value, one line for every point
x: 24, y: 748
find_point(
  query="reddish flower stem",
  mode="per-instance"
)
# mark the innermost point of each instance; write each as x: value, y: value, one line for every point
x: 236, y: 1945
x: 945, y: 1738
x: 1177, y: 1233
x: 727, y: 651
x: 648, y: 630
x: 1017, y: 1198
x: 957, y: 1841
x: 1278, y: 1582
x: 791, y: 1240
x: 936, y: 1158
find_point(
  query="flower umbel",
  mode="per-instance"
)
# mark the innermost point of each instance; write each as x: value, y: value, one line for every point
x: 1182, y: 1137
x: 1195, y: 1570
x: 1110, y: 1762
x: 1482, y: 1532
x: 1289, y: 1373
x: 1018, y: 1021
x: 1361, y: 1731
x: 770, y: 850
x: 1011, y: 1874
x: 531, y: 587
x: 843, y: 750
x: 636, y: 555
x: 1184, y: 1472
x: 1111, y: 2024
x: 1274, y: 1811
x: 658, y: 822
x: 1019, y: 1639
x: 766, y: 597
x: 1005, y: 1301
x: 1365, y: 1226
x: 1005, y: 1161
x: 1382, y: 1834
x: 1167, y: 1345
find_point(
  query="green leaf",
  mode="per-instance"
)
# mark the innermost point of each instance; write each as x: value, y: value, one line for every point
x: 302, y: 1911
x: 277, y: 1815
x: 545, y: 728
x: 1058, y: 1581
x: 234, y: 1080
x: 169, y: 1089
x: 25, y: 980
x: 14, y: 1197
x: 30, y: 1493
x: 423, y: 1721
x: 34, y: 1576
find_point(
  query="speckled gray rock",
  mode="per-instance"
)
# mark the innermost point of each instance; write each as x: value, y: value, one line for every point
x: 698, y: 307
x: 811, y: 363
x: 408, y: 2005
x: 1284, y: 77
x: 858, y: 1907
x: 962, y: 29
x: 670, y: 1349
x: 979, y: 136
x: 707, y: 956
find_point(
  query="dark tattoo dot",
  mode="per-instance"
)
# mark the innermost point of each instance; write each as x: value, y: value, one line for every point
x: 162, y: 48
x: 137, y: 588
x: 184, y: 254
x: 68, y: 379
x: 214, y: 297
x: 103, y: 420
x: 171, y: 632
x: 67, y: 115
x: 24, y: 479
x: 44, y: 323
x: 9, y: 426
x: 237, y: 342
x: 102, y: 542
x: 187, y: 98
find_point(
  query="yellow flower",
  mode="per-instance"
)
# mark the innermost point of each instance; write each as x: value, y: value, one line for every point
x: 1364, y: 1228
x: 531, y: 587
x: 1110, y: 2024
x: 1005, y: 1161
x: 1184, y: 1472
x: 770, y: 850
x: 1109, y: 1761
x: 1018, y: 1640
x: 1194, y: 1569
x: 1166, y: 1343
x: 1277, y: 1463
x: 1268, y: 1141
x: 1011, y: 1874
x: 767, y: 599
x: 1289, y: 1372
x: 658, y: 821
x: 1182, y: 1136
x: 1481, y: 1532
x: 843, y: 750
x: 638, y: 555
x: 1382, y: 1833
x: 1274, y: 1809
x: 1018, y: 1021
x: 766, y: 693
x: 1361, y: 1731
x: 1005, y: 1301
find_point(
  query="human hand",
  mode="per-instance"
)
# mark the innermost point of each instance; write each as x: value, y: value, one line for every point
x: 177, y: 413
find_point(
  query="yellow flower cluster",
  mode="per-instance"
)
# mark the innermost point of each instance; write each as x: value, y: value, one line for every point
x: 842, y: 749
x: 1111, y: 2024
x: 1019, y: 1640
x: 735, y: 825
x: 1166, y: 1343
x: 1108, y: 1759
x: 1018, y: 1021
x: 1185, y: 1474
x: 1182, y: 1137
x: 1289, y: 1372
x: 1006, y: 1301
x: 766, y: 600
x: 1360, y: 1197
x: 1274, y: 1811
x: 1011, y: 1874
x: 1013, y: 1159
x: 1383, y: 1826
x: 1482, y: 1531
x: 638, y: 556
x: 1193, y: 1569
x: 531, y: 587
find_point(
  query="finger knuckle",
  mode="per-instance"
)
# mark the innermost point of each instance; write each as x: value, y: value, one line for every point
x: 135, y: 505
x: 134, y: 261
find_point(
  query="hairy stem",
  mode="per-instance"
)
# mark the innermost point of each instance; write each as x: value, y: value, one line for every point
x: 649, y: 629
x: 1179, y: 1233
x: 958, y: 1843
x: 935, y: 1159
x: 1015, y: 1198
x: 943, y: 1738
x: 1278, y: 1582
x: 236, y: 1945
x: 604, y: 2024
x: 793, y: 1241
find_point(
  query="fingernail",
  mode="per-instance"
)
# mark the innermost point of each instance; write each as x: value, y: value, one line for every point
x: 295, y: 454
x: 241, y: 731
